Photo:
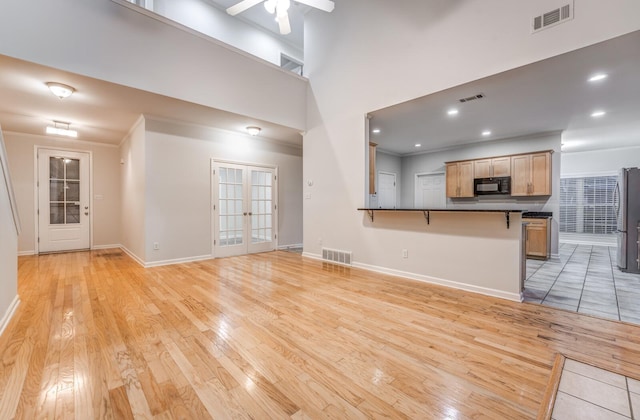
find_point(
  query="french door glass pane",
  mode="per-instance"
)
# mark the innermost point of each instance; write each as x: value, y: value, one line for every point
x: 73, y: 191
x: 261, y: 205
x: 73, y: 168
x: 64, y: 191
x: 230, y: 202
x: 56, y: 168
x: 56, y: 190
x: 56, y: 213
x: 73, y: 213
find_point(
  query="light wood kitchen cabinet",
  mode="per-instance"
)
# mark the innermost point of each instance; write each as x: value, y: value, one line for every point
x: 538, y: 238
x: 492, y: 167
x: 531, y: 174
x: 459, y: 179
x: 372, y: 167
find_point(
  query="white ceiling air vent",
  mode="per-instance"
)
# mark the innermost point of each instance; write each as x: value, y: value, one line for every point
x: 553, y: 17
x: 472, y: 98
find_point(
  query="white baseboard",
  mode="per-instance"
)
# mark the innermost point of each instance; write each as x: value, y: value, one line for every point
x: 177, y: 261
x: 11, y: 310
x: 106, y: 246
x: 24, y: 253
x: 132, y: 255
x: 285, y: 247
x: 431, y: 280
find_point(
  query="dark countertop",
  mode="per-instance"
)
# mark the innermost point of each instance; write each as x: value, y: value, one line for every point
x: 450, y: 210
x: 537, y: 215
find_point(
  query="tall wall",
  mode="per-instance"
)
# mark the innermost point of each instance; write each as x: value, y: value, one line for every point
x: 108, y: 41
x: 600, y: 161
x: 106, y: 183
x: 8, y: 245
x: 134, y: 191
x: 356, y: 65
x: 178, y: 186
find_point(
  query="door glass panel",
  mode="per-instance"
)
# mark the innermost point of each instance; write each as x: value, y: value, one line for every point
x: 230, y: 203
x: 73, y: 213
x: 64, y: 191
x: 56, y: 190
x: 56, y: 168
x: 72, y: 168
x: 73, y: 191
x: 261, y: 204
x: 56, y: 214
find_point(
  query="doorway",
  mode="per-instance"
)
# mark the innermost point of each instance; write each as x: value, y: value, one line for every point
x: 386, y: 190
x: 244, y: 209
x: 63, y: 201
x: 430, y: 191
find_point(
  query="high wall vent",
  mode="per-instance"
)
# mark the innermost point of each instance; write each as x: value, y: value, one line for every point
x: 472, y: 98
x: 333, y: 255
x: 553, y: 17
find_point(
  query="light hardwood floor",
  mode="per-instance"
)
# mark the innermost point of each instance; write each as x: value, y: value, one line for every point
x: 276, y: 336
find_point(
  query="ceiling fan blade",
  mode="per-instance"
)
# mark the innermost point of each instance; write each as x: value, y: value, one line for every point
x: 242, y: 6
x: 285, y: 26
x: 326, y: 5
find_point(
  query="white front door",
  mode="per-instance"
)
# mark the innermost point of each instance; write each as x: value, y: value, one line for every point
x: 386, y: 190
x: 244, y: 209
x: 430, y: 191
x: 63, y: 201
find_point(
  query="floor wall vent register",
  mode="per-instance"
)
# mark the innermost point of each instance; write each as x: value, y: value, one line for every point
x: 336, y: 256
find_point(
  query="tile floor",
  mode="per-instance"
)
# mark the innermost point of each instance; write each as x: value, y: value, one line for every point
x: 584, y: 278
x: 587, y: 392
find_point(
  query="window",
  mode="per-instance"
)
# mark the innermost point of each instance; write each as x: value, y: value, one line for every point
x: 586, y: 204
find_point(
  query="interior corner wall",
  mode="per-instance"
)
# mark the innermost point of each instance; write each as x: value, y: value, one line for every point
x: 600, y: 161
x: 108, y: 41
x: 134, y: 193
x: 8, y: 253
x: 178, y: 184
x: 106, y: 183
x: 355, y: 67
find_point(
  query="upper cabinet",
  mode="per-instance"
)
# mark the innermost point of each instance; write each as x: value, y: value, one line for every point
x: 460, y: 179
x: 492, y: 167
x: 531, y: 174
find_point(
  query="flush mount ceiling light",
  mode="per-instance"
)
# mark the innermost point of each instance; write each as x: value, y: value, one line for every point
x: 61, y: 128
x: 280, y: 8
x: 60, y: 90
x: 598, y: 114
x: 452, y: 112
x: 598, y: 77
x: 253, y: 130
x: 486, y: 133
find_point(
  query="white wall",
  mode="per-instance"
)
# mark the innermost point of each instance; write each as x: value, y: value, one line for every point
x: 204, y: 17
x: 111, y: 42
x: 357, y: 65
x: 134, y: 192
x: 8, y: 245
x: 106, y: 182
x: 600, y: 161
x: 178, y: 186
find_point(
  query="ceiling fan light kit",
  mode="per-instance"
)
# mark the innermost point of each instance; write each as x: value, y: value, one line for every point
x: 280, y: 9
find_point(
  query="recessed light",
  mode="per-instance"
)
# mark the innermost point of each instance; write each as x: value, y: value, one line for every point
x: 486, y: 133
x: 597, y: 114
x: 376, y: 131
x: 597, y: 77
x: 452, y: 111
x: 418, y: 145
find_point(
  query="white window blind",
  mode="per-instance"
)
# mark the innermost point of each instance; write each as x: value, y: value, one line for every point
x: 586, y: 204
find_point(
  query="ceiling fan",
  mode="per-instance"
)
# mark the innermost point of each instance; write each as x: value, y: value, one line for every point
x: 280, y: 8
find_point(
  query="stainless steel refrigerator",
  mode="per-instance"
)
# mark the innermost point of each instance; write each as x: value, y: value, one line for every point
x: 627, y: 205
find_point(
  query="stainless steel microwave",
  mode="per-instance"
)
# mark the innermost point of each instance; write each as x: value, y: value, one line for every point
x: 496, y: 185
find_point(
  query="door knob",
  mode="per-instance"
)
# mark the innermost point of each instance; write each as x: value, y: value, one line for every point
x: 86, y: 213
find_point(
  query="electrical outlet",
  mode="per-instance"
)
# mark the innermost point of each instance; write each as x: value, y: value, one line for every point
x: 405, y: 253
x: 156, y: 246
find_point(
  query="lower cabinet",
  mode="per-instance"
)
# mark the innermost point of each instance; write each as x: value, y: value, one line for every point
x: 538, y: 238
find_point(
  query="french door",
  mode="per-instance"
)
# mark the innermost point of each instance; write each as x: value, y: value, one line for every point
x: 63, y: 200
x: 244, y: 209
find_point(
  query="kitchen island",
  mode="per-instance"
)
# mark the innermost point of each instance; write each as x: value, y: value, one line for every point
x: 479, y: 250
